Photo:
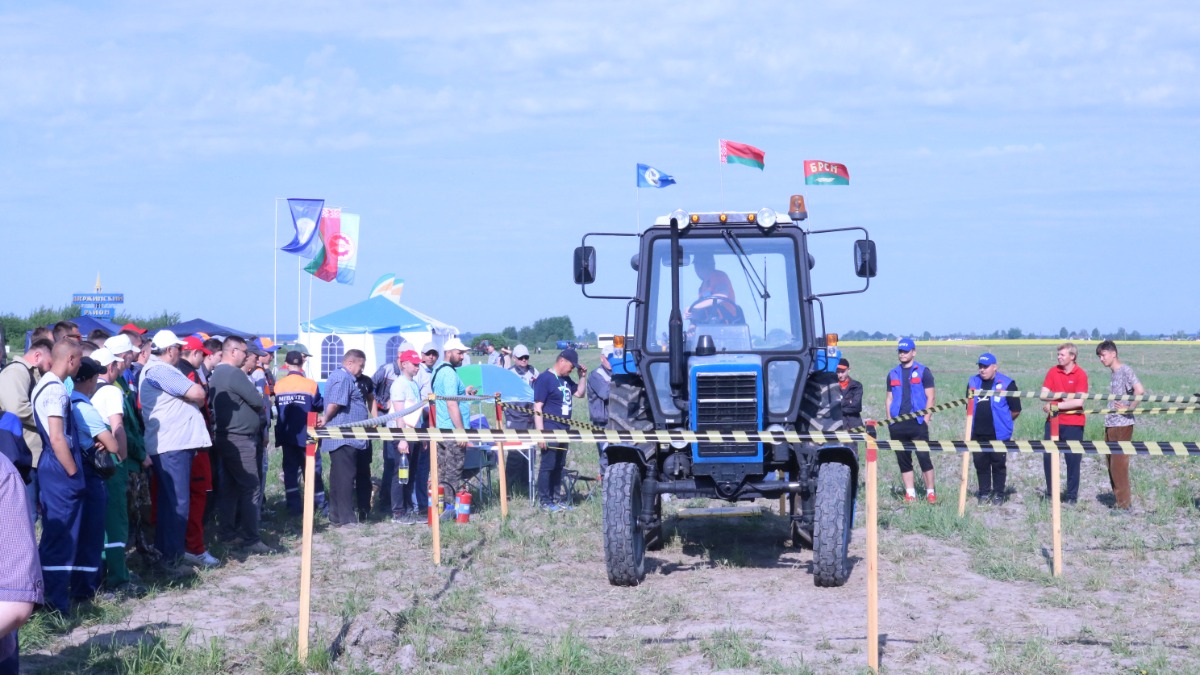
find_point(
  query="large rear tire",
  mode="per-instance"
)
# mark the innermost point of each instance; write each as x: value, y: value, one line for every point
x: 624, y: 543
x: 831, y: 532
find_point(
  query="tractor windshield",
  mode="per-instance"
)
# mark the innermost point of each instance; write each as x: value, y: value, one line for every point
x: 742, y: 291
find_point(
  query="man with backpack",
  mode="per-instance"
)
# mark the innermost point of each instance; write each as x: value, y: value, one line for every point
x: 17, y: 381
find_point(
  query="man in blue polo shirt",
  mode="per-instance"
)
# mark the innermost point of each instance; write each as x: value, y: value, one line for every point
x: 910, y: 387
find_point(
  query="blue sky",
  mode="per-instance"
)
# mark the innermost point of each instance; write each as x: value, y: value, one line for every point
x: 1019, y: 165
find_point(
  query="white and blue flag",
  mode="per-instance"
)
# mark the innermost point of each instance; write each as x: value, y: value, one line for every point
x: 648, y: 176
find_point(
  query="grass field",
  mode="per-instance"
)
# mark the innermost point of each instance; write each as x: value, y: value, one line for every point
x: 529, y: 595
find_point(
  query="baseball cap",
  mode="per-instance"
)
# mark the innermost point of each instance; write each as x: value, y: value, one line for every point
x: 843, y: 364
x: 134, y: 328
x: 192, y: 343
x: 165, y: 338
x: 410, y: 356
x: 987, y: 359
x: 430, y: 347
x: 294, y: 358
x: 104, y: 357
x: 88, y: 368
x: 520, y: 351
x: 252, y: 348
x: 119, y: 344
x: 607, y: 351
x: 906, y: 345
x: 302, y: 349
x: 454, y: 343
x: 570, y: 355
x: 267, y: 345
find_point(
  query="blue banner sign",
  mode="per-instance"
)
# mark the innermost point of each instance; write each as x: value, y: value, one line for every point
x: 98, y: 299
x: 97, y: 312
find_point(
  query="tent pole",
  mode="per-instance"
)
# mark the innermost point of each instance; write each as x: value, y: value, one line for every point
x: 275, y: 279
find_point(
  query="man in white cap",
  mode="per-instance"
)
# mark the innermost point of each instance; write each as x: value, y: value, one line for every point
x: 451, y: 414
x: 109, y: 401
x: 175, y: 430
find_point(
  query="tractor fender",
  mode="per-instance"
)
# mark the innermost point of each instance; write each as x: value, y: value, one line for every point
x: 617, y: 454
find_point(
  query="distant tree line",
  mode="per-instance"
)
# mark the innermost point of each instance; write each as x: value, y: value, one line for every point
x: 544, y: 332
x: 15, y: 326
x: 1016, y: 334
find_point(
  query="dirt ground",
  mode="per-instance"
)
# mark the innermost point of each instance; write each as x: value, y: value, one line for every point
x: 724, y: 595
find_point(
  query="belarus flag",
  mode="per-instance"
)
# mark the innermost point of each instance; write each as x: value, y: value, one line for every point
x: 740, y: 153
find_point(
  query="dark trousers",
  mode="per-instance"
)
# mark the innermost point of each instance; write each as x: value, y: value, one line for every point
x: 90, y: 556
x: 387, y: 480
x: 1073, y: 460
x: 413, y: 495
x: 173, y: 471
x: 61, y: 505
x: 293, y: 470
x: 237, y: 500
x: 909, y: 430
x: 362, y: 482
x: 992, y: 469
x: 343, y: 463
x: 550, y: 472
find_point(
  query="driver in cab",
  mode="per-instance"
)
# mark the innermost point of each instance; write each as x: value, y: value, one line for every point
x: 716, y: 303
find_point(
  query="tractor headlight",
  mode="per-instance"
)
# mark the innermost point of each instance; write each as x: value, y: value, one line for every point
x: 767, y: 219
x: 680, y: 220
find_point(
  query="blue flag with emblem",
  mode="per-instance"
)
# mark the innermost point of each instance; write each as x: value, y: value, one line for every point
x: 648, y: 176
x: 306, y: 218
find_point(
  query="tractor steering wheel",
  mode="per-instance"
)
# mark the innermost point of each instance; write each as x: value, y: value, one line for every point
x: 720, y: 310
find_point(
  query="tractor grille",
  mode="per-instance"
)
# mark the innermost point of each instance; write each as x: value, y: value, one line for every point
x: 726, y: 402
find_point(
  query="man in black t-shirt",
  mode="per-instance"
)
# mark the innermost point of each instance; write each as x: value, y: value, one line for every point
x: 553, y: 392
x: 993, y: 421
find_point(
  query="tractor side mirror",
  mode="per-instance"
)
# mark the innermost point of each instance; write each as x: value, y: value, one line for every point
x: 864, y: 259
x: 585, y: 265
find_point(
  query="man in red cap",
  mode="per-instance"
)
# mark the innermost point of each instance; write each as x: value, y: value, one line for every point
x: 408, y: 499
x: 133, y: 328
x: 195, y: 553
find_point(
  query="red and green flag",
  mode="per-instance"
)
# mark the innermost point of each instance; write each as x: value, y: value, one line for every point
x: 337, y: 257
x: 740, y: 153
x: 817, y: 172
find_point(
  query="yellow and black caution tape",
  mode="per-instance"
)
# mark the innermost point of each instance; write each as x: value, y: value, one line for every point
x: 547, y: 416
x: 1172, y: 410
x: 559, y: 436
x: 914, y: 415
x: 1062, y: 395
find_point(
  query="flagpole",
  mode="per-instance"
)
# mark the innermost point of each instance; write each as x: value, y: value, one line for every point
x: 638, y: 200
x: 275, y: 279
x: 721, y: 170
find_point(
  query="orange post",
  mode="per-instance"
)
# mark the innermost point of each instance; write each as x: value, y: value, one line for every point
x: 501, y: 456
x: 310, y: 473
x: 872, y: 489
x: 966, y: 460
x: 435, y: 520
x: 1055, y: 500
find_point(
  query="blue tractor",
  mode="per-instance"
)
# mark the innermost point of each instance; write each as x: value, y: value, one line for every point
x: 725, y: 338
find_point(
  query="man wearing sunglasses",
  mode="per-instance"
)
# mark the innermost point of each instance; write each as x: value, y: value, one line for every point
x: 993, y: 421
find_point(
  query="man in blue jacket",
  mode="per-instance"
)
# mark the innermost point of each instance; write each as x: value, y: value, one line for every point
x: 910, y: 388
x: 993, y: 421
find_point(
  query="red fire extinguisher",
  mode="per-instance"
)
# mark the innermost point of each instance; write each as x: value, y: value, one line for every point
x: 462, y: 507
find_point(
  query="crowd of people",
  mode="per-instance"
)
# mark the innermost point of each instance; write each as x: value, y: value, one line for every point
x: 106, y: 437
x: 911, y: 387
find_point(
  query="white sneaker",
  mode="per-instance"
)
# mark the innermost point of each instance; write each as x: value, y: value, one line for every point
x: 204, y: 559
